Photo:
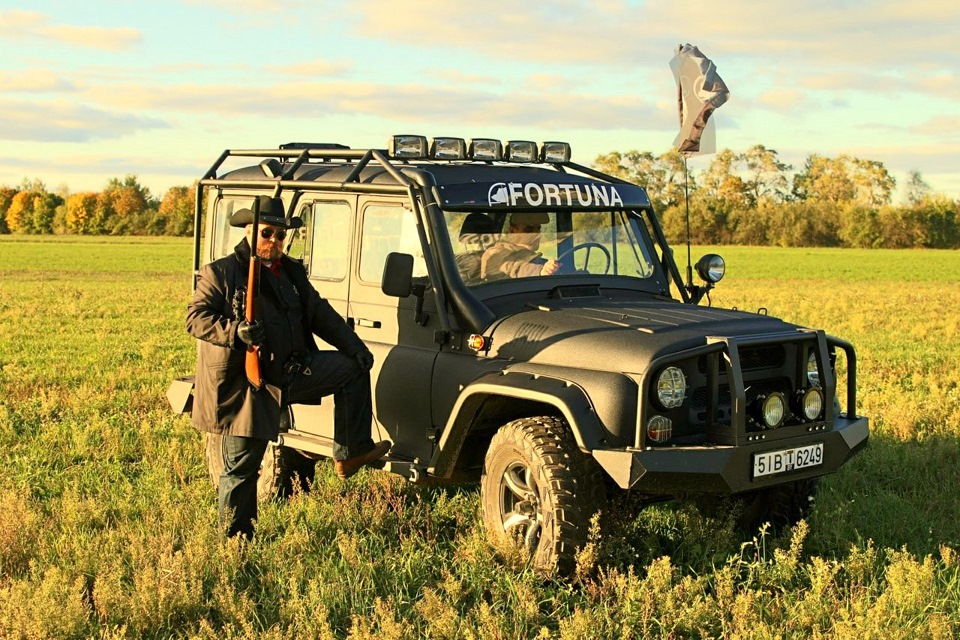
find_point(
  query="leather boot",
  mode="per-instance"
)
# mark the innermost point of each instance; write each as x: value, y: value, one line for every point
x: 348, y: 467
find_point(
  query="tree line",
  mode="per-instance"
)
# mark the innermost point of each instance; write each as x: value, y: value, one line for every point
x: 753, y: 198
x: 750, y: 198
x: 124, y: 207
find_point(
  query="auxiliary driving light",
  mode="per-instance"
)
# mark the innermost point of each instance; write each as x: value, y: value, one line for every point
x: 711, y: 268
x: 811, y: 403
x: 486, y: 149
x: 521, y: 151
x: 659, y: 429
x: 555, y: 152
x: 773, y: 410
x: 448, y: 148
x: 408, y: 147
x: 671, y: 387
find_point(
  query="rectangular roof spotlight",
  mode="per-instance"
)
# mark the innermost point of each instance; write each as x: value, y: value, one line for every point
x: 408, y: 147
x: 521, y: 151
x: 486, y: 149
x: 448, y: 148
x: 555, y: 152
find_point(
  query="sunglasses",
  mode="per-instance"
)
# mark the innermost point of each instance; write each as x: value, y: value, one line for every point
x: 279, y: 234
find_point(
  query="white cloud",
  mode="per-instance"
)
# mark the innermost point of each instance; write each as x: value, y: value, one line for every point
x: 410, y: 102
x: 19, y: 24
x: 62, y: 121
x: 313, y: 69
x: 34, y: 81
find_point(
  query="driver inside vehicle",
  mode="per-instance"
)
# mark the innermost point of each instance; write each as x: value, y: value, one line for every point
x: 516, y: 255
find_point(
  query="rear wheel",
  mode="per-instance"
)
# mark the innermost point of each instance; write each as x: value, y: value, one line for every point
x: 540, y: 491
x: 280, y: 470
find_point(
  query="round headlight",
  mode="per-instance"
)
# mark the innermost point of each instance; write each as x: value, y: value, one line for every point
x: 813, y: 373
x: 812, y: 403
x: 711, y: 268
x: 659, y: 429
x: 773, y: 409
x: 671, y: 387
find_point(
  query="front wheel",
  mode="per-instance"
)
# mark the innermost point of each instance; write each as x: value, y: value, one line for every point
x: 781, y: 506
x: 540, y: 491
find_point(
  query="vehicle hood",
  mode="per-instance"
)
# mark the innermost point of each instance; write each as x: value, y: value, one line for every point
x: 618, y: 336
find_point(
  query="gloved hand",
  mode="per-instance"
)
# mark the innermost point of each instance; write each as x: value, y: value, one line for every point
x: 365, y: 360
x: 251, y: 333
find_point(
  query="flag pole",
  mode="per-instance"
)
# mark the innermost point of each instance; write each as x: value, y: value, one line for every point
x: 686, y: 200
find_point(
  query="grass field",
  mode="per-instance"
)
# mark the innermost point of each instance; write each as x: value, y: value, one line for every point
x: 108, y: 526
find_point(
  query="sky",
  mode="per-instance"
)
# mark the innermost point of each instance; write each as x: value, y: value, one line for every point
x: 100, y: 89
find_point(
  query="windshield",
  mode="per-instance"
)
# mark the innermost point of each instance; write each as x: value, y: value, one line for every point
x: 499, y: 245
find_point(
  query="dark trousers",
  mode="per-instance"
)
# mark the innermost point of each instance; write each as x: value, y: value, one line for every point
x: 332, y: 373
x: 324, y: 373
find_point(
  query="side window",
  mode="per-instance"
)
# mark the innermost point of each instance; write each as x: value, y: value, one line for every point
x: 329, y: 257
x: 388, y: 228
x: 225, y: 237
x: 298, y: 244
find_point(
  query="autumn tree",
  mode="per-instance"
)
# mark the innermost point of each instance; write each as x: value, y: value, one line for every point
x: 125, y: 206
x: 177, y: 208
x: 662, y: 176
x: 766, y: 176
x: 844, y: 179
x: 917, y: 188
x: 82, y: 213
x: 6, y: 198
x: 32, y: 209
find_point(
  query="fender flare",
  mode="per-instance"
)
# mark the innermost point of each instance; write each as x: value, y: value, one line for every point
x: 569, y: 398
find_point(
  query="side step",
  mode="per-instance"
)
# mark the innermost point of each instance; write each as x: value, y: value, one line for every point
x: 322, y: 446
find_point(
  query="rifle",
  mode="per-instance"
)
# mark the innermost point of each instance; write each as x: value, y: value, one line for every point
x: 253, y: 292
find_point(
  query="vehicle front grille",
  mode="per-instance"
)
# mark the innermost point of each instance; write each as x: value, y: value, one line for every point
x: 768, y: 356
x: 698, y: 400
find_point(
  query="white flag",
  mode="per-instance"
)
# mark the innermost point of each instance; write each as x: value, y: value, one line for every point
x: 700, y: 91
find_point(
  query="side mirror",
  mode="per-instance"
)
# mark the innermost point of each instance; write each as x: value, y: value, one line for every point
x: 397, y: 275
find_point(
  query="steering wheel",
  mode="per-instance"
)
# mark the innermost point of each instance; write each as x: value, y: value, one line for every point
x: 586, y: 247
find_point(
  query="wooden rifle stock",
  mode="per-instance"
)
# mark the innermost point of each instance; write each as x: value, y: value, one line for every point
x: 253, y: 291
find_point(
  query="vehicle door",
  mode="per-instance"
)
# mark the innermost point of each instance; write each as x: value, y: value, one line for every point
x: 404, y: 350
x: 324, y: 245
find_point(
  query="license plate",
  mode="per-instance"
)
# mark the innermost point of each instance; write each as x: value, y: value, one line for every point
x: 773, y: 462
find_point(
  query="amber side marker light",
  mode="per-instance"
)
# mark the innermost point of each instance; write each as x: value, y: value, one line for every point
x: 478, y: 343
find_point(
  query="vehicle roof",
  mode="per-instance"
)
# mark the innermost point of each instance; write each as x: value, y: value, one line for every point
x: 443, y: 173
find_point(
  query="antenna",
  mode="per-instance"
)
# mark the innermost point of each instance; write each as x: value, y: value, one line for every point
x: 686, y: 200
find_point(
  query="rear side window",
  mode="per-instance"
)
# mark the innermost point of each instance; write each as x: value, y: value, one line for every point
x: 329, y: 256
x: 388, y: 228
x: 225, y: 237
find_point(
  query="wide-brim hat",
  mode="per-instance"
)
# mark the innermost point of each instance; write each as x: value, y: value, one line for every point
x: 271, y: 213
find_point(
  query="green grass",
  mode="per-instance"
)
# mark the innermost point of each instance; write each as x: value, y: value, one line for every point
x: 108, y: 525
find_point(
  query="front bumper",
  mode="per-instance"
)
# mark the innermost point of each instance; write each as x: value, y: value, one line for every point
x: 726, y: 469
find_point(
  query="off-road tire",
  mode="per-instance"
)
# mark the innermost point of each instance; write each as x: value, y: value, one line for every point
x: 781, y: 506
x: 562, y: 489
x: 268, y: 483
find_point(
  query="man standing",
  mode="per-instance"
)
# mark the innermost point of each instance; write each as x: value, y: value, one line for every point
x: 289, y: 313
x: 515, y: 255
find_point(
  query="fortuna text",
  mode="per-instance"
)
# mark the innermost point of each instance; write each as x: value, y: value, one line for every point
x: 533, y: 194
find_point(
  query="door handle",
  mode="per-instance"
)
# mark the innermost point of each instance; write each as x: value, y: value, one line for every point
x: 370, y: 324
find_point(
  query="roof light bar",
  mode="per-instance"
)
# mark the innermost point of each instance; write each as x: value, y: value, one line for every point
x: 448, y: 148
x: 521, y: 151
x: 486, y: 149
x: 404, y: 146
x: 555, y: 152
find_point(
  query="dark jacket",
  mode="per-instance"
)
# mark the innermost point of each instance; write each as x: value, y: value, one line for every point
x: 291, y: 311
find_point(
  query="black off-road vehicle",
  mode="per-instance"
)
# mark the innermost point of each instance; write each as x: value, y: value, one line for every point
x: 551, y: 390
